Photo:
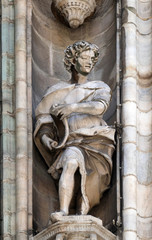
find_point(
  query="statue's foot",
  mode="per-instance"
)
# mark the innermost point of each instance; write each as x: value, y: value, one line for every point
x: 57, y: 216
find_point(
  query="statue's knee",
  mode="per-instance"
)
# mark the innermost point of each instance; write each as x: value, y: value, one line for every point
x: 71, y: 165
x: 71, y: 158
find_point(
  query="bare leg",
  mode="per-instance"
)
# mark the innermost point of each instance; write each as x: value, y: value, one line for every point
x: 66, y: 185
x: 70, y: 163
x: 81, y: 206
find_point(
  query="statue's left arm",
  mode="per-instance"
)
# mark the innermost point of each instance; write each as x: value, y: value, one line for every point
x: 91, y: 107
x: 97, y: 105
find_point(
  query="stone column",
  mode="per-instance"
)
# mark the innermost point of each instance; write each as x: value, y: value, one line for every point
x: 129, y: 121
x: 16, y: 139
x: 8, y: 196
x: 144, y: 119
x: 29, y: 117
x: 137, y: 119
x: 23, y: 118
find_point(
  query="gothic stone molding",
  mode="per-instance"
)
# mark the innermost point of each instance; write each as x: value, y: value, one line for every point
x: 76, y: 227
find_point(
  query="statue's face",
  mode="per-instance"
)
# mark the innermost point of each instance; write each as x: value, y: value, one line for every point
x: 84, y: 62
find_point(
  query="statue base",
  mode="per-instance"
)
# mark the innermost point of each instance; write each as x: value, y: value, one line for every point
x: 83, y: 227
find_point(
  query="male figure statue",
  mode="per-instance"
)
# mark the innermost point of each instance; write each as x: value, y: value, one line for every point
x: 88, y: 145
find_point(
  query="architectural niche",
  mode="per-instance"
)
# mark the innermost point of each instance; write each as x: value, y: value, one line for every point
x: 87, y: 147
x: 75, y: 12
x: 50, y: 39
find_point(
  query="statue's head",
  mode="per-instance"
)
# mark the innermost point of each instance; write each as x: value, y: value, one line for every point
x: 81, y: 56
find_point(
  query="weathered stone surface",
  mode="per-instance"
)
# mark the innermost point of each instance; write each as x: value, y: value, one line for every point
x: 144, y: 167
x: 129, y: 134
x: 130, y: 50
x: 144, y: 99
x: 129, y: 89
x: 144, y: 147
x: 129, y: 159
x: 129, y: 235
x: 144, y: 200
x: 42, y: 60
x: 129, y: 113
x: 130, y: 221
x: 130, y: 193
x: 144, y: 9
x: 144, y: 227
x: 137, y: 61
x: 146, y: 118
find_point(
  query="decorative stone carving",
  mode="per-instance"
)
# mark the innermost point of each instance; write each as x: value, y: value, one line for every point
x: 76, y: 228
x: 75, y: 11
x: 83, y: 155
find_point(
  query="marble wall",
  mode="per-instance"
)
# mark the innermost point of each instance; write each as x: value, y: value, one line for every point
x: 137, y: 119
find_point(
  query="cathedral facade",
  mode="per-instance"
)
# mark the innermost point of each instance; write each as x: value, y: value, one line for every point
x: 34, y: 35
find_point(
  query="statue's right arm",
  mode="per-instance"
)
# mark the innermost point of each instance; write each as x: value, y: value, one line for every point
x: 48, y: 142
x: 48, y: 136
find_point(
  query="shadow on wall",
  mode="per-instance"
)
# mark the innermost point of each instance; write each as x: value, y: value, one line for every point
x: 49, y: 39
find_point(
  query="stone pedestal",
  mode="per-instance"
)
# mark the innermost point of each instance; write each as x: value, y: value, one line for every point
x: 76, y: 228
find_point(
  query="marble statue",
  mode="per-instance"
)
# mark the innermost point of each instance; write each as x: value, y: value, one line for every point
x: 72, y: 136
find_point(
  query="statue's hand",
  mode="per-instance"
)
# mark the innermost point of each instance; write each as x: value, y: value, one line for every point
x: 48, y: 142
x: 61, y: 110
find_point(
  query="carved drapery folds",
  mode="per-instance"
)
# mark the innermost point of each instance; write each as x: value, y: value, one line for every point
x: 75, y: 11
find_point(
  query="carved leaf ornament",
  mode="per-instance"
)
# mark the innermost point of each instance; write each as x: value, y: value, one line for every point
x: 75, y: 11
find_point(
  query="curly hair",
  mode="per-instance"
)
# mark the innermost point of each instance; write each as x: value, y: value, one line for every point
x: 73, y: 51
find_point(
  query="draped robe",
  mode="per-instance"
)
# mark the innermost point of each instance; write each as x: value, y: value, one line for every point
x: 88, y: 133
